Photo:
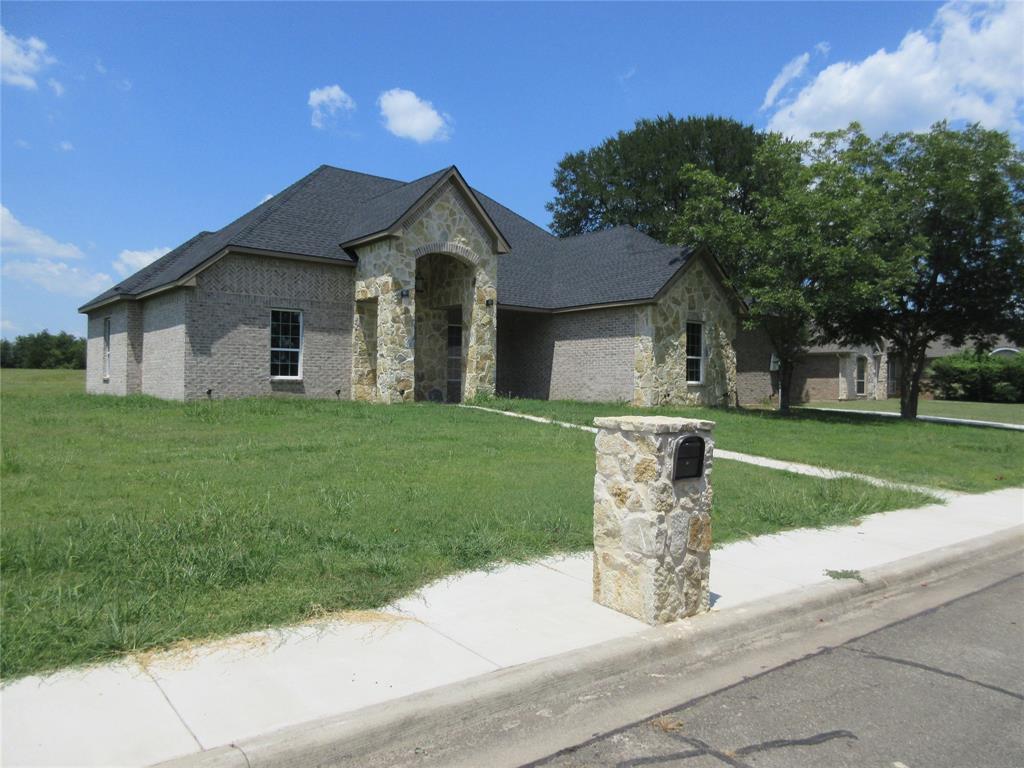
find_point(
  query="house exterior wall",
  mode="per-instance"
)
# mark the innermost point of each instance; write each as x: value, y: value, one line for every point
x: 816, y: 377
x: 755, y: 382
x: 228, y: 327
x: 117, y: 382
x: 163, y: 345
x: 592, y: 355
x: 525, y: 348
x: 660, y: 343
x: 443, y: 224
x: 875, y: 379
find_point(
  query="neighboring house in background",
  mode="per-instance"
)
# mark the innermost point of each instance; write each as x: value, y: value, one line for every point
x: 827, y: 372
x: 832, y: 371
x: 355, y: 286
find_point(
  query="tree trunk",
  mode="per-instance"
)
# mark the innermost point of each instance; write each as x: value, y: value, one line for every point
x: 785, y: 384
x: 910, y: 382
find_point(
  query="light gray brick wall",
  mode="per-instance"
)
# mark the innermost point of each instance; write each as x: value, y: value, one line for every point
x: 228, y: 327
x: 117, y: 382
x: 592, y: 355
x: 164, y: 344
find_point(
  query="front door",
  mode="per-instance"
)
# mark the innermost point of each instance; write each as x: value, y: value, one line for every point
x: 454, y: 361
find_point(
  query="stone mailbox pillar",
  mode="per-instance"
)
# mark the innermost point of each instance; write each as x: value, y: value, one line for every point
x: 652, y: 516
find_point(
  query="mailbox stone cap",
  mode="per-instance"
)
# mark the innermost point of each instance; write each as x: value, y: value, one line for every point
x: 655, y: 424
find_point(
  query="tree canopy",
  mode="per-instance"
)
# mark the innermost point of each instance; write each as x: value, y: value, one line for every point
x: 943, y: 251
x: 772, y: 242
x: 633, y: 178
x: 43, y: 350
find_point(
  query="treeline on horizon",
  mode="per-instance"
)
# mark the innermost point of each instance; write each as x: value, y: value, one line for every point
x: 43, y: 350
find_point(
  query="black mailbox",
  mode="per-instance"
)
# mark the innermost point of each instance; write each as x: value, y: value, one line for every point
x: 689, y: 458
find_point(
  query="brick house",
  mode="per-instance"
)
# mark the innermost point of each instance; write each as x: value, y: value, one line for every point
x: 346, y: 285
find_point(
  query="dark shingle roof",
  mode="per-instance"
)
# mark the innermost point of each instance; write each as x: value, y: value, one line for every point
x: 331, y: 206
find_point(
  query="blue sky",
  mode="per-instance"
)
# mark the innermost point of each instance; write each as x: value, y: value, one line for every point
x: 127, y: 128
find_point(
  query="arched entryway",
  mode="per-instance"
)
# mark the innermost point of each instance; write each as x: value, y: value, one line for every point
x: 444, y: 306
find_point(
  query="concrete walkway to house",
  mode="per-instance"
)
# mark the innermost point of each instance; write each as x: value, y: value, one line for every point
x: 160, y: 706
x: 747, y: 458
x: 922, y: 417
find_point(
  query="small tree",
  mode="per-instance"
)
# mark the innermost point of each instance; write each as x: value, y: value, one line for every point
x: 633, y: 178
x: 943, y: 256
x: 771, y: 242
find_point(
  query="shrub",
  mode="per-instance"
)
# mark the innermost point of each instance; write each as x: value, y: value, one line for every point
x: 979, y: 378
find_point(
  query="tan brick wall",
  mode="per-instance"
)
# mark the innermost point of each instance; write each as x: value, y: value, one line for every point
x: 585, y: 355
x: 164, y: 344
x: 117, y: 384
x: 816, y: 378
x: 228, y: 327
x: 755, y: 383
x: 592, y: 355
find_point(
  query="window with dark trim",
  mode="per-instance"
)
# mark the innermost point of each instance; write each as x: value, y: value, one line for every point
x: 694, y: 353
x: 862, y: 370
x: 285, y: 344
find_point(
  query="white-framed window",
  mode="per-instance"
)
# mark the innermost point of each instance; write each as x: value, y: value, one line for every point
x: 106, y: 347
x: 285, y: 344
x: 862, y: 372
x: 694, y: 353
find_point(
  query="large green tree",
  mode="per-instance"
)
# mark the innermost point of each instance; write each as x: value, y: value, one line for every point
x: 633, y: 178
x: 43, y: 350
x: 773, y: 243
x: 943, y: 251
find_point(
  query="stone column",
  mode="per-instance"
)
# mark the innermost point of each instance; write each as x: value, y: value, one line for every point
x: 396, y: 346
x: 652, y: 533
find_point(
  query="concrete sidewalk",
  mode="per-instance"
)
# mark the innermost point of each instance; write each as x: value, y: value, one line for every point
x: 923, y: 417
x: 146, y: 710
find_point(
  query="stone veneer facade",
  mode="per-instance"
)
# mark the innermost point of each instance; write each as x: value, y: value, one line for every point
x: 652, y: 534
x: 660, y: 343
x: 443, y: 225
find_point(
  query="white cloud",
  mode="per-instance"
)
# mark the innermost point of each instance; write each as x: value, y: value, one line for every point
x: 822, y: 48
x: 124, y: 84
x: 18, y: 238
x: 408, y: 116
x: 20, y: 59
x: 46, y: 265
x: 326, y: 102
x: 128, y: 262
x: 793, y: 69
x: 8, y: 327
x: 100, y: 68
x: 627, y: 75
x: 23, y: 144
x: 966, y: 66
x: 56, y: 86
x: 58, y: 277
x: 265, y: 198
x: 66, y: 146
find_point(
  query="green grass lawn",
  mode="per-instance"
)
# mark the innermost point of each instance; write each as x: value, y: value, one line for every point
x: 1008, y: 413
x: 921, y: 453
x: 131, y: 523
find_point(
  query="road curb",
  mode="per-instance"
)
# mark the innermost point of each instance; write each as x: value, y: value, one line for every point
x: 690, y: 644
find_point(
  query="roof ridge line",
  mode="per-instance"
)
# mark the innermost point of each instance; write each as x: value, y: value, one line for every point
x: 407, y: 183
x: 362, y: 173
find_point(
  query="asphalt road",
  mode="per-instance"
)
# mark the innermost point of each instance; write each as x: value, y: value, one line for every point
x: 941, y: 689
